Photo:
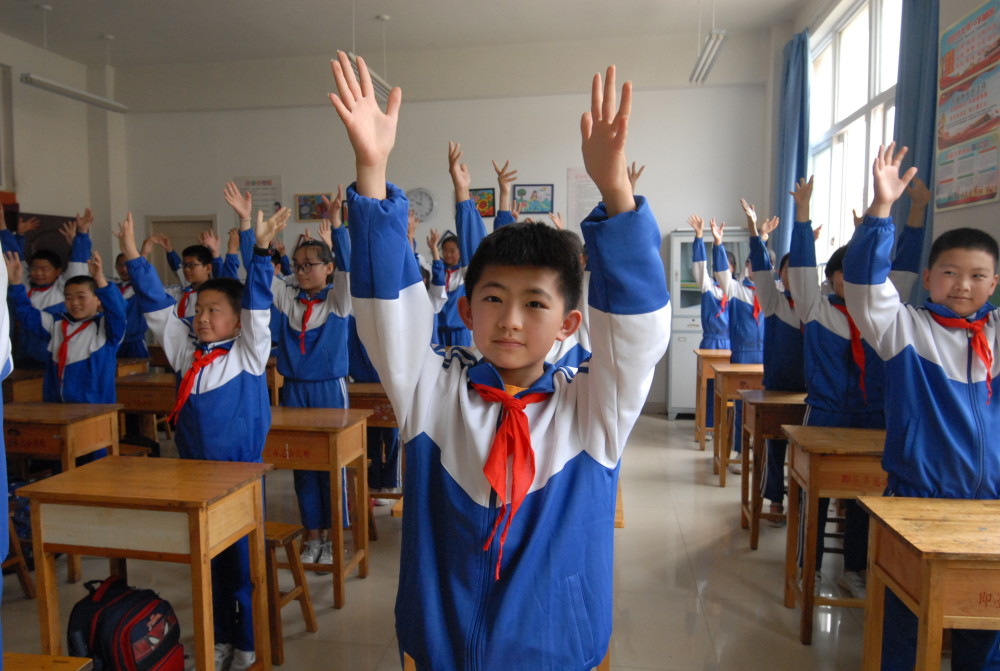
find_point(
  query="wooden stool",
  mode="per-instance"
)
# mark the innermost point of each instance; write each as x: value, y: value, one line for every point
x: 278, y: 535
x: 14, y: 661
x: 16, y: 558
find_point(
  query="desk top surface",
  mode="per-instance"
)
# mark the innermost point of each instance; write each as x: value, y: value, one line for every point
x: 713, y: 353
x: 322, y: 420
x: 146, y: 483
x: 769, y: 397
x: 724, y: 367
x: 150, y: 379
x: 373, y: 388
x: 56, y: 413
x: 836, y: 440
x: 941, y: 528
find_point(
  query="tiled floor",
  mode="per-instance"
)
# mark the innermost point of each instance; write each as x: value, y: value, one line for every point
x: 689, y: 593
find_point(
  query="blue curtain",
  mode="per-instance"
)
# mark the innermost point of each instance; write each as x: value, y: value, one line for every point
x: 792, y: 155
x: 916, y: 104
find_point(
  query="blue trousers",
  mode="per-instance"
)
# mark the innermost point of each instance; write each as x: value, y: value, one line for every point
x: 133, y: 349
x: 232, y: 607
x: 312, y: 488
x: 774, y: 471
x: 383, y: 450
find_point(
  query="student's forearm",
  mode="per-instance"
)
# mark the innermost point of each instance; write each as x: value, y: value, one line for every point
x: 618, y: 199
x: 371, y: 181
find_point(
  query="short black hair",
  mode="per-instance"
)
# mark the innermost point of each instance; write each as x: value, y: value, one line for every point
x: 275, y: 257
x: 82, y: 279
x: 836, y: 262
x: 450, y: 238
x: 533, y: 245
x: 231, y: 288
x: 200, y: 252
x: 964, y: 238
x: 46, y: 255
x: 575, y: 241
x: 731, y: 258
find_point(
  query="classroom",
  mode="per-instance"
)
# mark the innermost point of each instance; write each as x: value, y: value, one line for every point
x: 197, y: 95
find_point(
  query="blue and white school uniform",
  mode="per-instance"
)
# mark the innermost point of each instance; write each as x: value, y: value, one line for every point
x: 714, y: 315
x: 941, y: 427
x: 451, y: 329
x: 226, y: 417
x: 134, y: 344
x: 551, y: 607
x: 6, y: 366
x: 383, y: 441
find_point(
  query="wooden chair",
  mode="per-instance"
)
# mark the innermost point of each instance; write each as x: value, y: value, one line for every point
x: 17, y: 560
x: 277, y: 535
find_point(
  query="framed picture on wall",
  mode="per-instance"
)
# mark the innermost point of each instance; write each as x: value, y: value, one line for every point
x: 533, y: 198
x: 309, y: 206
x: 485, y: 200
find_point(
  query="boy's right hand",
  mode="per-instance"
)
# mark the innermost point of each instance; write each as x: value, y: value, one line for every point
x: 68, y: 230
x: 557, y: 221
x: 126, y: 238
x: 371, y: 131
x: 717, y: 231
x: 266, y: 230
x: 432, y: 242
x: 163, y: 241
x: 634, y: 174
x: 459, y: 171
x: 888, y: 184
x: 698, y: 224
x: 15, y: 269
x: 242, y: 204
x: 802, y: 195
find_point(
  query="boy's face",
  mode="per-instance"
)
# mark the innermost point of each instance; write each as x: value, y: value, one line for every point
x: 450, y: 254
x: 837, y: 282
x: 81, y: 301
x: 121, y: 268
x: 195, y: 272
x: 43, y: 272
x: 310, y: 271
x: 214, y: 317
x: 515, y: 313
x: 962, y: 280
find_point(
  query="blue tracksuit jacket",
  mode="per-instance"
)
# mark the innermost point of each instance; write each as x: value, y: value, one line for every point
x: 714, y: 319
x: 783, y: 359
x: 746, y: 332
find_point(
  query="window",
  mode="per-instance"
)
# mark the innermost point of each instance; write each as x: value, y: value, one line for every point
x: 852, y: 112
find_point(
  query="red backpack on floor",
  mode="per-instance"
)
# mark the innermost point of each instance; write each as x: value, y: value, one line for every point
x: 125, y: 629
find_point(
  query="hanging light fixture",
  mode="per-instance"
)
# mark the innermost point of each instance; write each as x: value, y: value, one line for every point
x: 63, y: 89
x: 709, y: 50
x: 381, y: 86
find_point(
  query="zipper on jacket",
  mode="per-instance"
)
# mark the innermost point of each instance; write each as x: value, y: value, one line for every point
x: 977, y: 418
x: 473, y: 653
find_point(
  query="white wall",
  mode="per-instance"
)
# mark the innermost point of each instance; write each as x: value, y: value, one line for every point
x: 702, y: 149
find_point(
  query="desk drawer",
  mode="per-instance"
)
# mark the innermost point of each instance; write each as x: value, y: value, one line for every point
x: 291, y: 449
x: 33, y: 439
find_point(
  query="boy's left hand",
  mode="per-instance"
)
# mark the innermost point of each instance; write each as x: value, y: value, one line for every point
x: 888, y: 183
x: 68, y: 230
x: 96, y: 268
x: 266, y: 230
x: 83, y: 223
x: 634, y: 174
x: 15, y: 269
x: 605, y: 129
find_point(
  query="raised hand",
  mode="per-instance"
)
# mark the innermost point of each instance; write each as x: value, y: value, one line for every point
x: 918, y: 192
x: 96, y: 268
x: 816, y: 232
x: 68, y: 230
x: 15, y: 269
x: 634, y: 174
x: 887, y: 181
x: 515, y: 209
x: 460, y: 176
x: 557, y: 220
x: 858, y: 218
x: 748, y: 210
x: 210, y: 239
x: 126, y: 238
x: 326, y: 232
x: 372, y: 132
x: 147, y: 246
x: 233, y: 244
x: 242, y: 204
x: 433, y: 241
x: 412, y: 221
x: 25, y: 226
x: 83, y: 223
x: 333, y: 208
x: 802, y: 195
x: 163, y: 241
x: 717, y: 230
x: 768, y: 226
x: 698, y: 224
x: 604, y: 130
x: 505, y: 177
x: 278, y: 245
x: 267, y: 229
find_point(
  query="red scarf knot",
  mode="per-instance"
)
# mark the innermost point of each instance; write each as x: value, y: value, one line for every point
x: 756, y: 305
x: 182, y: 306
x: 857, y: 347
x: 722, y: 305
x: 201, y: 360
x: 448, y: 272
x: 64, y: 345
x: 35, y: 289
x: 309, y: 303
x: 512, y: 443
x: 977, y: 341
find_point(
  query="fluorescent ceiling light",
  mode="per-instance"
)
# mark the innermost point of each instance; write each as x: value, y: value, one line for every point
x: 381, y: 86
x: 74, y: 93
x: 706, y: 59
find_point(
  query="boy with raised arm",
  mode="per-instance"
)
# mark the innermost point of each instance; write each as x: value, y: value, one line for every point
x: 941, y: 425
x: 511, y: 464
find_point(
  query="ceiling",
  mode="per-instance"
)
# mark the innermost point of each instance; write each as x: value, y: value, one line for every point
x: 163, y: 32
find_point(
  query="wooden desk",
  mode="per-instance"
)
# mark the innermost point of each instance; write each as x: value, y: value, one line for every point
x: 729, y: 379
x: 158, y: 358
x: 371, y: 396
x: 275, y: 380
x: 940, y: 557
x: 706, y: 357
x: 132, y: 366
x: 328, y: 439
x: 763, y: 414
x: 824, y: 462
x: 173, y: 510
x: 13, y: 661
x: 153, y: 393
x: 23, y: 386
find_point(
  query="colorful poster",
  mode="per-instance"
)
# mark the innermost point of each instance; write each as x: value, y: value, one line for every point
x: 583, y: 196
x: 967, y: 174
x: 969, y: 110
x: 971, y: 45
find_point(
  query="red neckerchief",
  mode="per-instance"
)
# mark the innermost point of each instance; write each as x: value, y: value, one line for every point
x: 756, y: 305
x: 38, y: 289
x: 512, y: 442
x: 64, y: 346
x: 309, y: 303
x: 448, y: 272
x: 187, y: 382
x: 977, y: 341
x: 722, y: 305
x: 182, y: 306
x: 124, y: 286
x: 857, y: 348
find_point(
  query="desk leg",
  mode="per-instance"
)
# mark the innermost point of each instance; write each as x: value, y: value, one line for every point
x: 756, y: 482
x: 201, y: 591
x: 73, y: 568
x: 729, y: 429
x: 809, y: 567
x: 361, y: 529
x: 745, y: 475
x: 47, y: 589
x: 717, y: 427
x: 874, y: 607
x: 258, y: 570
x: 930, y: 620
x: 699, y: 410
x: 792, y: 542
x: 337, y: 531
